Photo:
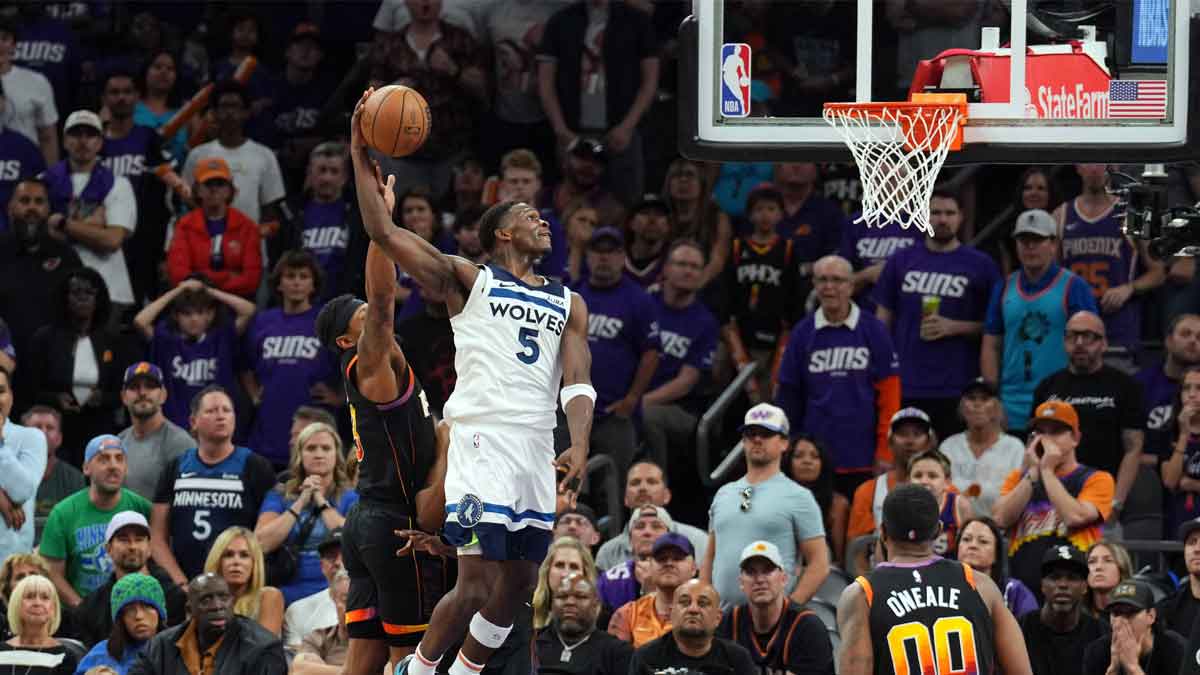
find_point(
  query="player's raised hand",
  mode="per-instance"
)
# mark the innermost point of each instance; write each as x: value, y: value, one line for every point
x: 358, y: 142
x: 386, y: 188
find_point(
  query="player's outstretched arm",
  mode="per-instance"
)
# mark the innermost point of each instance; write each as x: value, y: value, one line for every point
x: 1012, y: 656
x: 430, y: 267
x: 577, y: 377
x: 380, y: 361
x: 856, y: 656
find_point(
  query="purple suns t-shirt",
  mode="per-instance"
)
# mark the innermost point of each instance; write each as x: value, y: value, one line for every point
x: 325, y: 233
x: 288, y: 360
x: 689, y: 338
x: 19, y: 158
x: 962, y: 282
x: 865, y: 245
x: 191, y: 365
x: 622, y: 325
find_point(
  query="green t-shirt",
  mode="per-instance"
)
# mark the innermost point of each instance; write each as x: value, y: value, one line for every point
x: 75, y: 533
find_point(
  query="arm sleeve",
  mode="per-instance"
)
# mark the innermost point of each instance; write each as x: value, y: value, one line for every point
x: 618, y: 625
x: 1010, y: 483
x: 993, y: 323
x: 862, y: 520
x: 807, y: 522
x: 53, y: 543
x: 165, y: 488
x: 22, y: 466
x: 790, y: 394
x: 120, y: 205
x: 700, y: 354
x: 1098, y: 491
x: 45, y: 112
x: 271, y: 188
x: 272, y: 503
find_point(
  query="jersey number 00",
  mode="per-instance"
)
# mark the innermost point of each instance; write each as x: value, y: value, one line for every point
x: 949, y: 649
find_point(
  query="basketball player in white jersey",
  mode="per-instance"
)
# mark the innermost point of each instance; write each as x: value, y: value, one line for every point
x: 517, y: 335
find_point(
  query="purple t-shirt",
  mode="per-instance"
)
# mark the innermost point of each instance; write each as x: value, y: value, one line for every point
x: 688, y: 336
x: 962, y: 280
x: 1159, y: 393
x: 19, y: 158
x: 816, y: 228
x: 6, y: 345
x: 830, y: 373
x: 325, y: 233
x: 864, y: 245
x: 49, y: 46
x: 189, y: 366
x: 136, y: 155
x: 288, y: 359
x: 622, y: 325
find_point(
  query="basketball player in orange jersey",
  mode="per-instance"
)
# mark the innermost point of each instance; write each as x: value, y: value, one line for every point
x: 919, y: 613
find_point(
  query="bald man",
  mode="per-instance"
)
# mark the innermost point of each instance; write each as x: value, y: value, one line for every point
x: 838, y: 371
x: 692, y: 644
x: 1109, y: 403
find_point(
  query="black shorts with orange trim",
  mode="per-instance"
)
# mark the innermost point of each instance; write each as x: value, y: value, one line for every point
x: 391, y: 598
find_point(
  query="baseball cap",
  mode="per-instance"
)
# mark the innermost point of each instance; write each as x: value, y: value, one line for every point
x: 1065, y: 555
x: 762, y: 549
x: 101, y: 443
x: 1133, y: 593
x: 142, y: 369
x: 332, y: 538
x: 1059, y: 411
x: 211, y: 168
x: 122, y: 520
x: 83, y: 118
x: 606, y: 233
x: 768, y: 417
x: 305, y: 30
x: 579, y: 510
x: 651, y: 201
x: 588, y: 148
x: 651, y: 510
x: 980, y: 386
x: 910, y: 415
x: 1036, y: 222
x: 673, y: 540
x: 1188, y: 527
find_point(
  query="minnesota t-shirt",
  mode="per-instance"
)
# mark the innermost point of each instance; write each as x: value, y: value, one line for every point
x: 75, y: 533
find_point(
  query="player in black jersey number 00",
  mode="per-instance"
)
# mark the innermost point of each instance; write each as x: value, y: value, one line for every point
x: 919, y: 613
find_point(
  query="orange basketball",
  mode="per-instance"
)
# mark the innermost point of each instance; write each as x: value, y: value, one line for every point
x: 396, y: 120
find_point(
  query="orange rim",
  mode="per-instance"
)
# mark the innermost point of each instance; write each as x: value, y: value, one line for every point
x: 904, y: 112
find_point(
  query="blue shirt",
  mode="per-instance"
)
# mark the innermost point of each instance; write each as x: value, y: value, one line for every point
x: 308, y: 579
x: 622, y: 326
x: 22, y: 463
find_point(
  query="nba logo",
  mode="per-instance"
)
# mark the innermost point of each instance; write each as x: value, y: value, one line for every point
x: 735, y: 79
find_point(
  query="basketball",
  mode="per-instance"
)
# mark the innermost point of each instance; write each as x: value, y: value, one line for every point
x: 396, y: 120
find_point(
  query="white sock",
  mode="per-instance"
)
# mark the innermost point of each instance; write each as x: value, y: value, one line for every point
x: 464, y: 666
x: 420, y: 665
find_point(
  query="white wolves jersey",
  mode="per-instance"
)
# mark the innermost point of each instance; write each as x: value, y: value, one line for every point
x: 506, y: 341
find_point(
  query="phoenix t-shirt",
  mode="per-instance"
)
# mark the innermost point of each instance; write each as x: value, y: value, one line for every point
x: 191, y: 365
x: 135, y: 155
x: 864, y: 245
x: 622, y: 325
x: 288, y: 360
x: 1158, y: 396
x: 325, y: 234
x: 962, y: 282
x: 19, y: 159
x: 688, y: 336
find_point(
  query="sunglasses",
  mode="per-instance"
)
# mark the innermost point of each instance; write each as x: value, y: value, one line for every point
x: 746, y: 495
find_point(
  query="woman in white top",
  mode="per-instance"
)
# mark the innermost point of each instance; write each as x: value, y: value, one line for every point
x: 982, y: 456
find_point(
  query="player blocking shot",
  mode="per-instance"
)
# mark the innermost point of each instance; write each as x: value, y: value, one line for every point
x: 920, y: 613
x: 400, y: 470
x: 517, y: 337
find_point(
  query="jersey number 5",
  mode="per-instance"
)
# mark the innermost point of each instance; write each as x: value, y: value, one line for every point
x: 528, y: 339
x: 916, y: 652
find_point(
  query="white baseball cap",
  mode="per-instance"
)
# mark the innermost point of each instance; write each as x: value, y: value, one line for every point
x: 83, y: 118
x: 122, y: 520
x: 762, y: 549
x: 1036, y: 222
x: 767, y: 416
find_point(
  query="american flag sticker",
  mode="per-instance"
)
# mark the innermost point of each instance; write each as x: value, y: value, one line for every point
x: 1137, y: 99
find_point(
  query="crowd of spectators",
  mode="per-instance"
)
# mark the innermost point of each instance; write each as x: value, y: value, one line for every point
x: 172, y: 496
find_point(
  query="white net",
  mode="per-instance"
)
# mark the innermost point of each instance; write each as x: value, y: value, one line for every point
x: 899, y: 152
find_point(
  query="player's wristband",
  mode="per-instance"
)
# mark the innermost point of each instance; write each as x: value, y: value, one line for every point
x: 571, y: 391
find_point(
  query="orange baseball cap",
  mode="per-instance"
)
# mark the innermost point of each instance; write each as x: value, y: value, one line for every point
x: 210, y: 168
x: 1059, y: 411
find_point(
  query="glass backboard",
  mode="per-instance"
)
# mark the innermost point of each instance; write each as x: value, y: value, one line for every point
x: 1046, y: 80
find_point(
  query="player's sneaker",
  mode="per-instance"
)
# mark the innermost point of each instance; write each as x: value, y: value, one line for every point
x: 402, y: 667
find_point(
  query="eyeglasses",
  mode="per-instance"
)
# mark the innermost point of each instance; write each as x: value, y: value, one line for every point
x: 746, y: 495
x: 1086, y: 336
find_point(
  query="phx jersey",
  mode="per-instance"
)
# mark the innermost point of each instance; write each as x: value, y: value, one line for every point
x: 507, y: 338
x: 928, y: 617
x: 1098, y: 251
x: 763, y: 290
x: 394, y: 441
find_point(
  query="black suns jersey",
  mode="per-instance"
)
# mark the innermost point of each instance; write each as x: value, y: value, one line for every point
x: 928, y: 618
x: 395, y: 442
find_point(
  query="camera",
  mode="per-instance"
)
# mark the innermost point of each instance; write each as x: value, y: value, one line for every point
x: 1146, y: 216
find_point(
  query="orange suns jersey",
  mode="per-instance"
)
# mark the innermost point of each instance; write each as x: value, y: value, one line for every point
x: 928, y: 619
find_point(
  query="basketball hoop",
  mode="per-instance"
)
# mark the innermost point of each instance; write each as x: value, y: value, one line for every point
x: 899, y: 149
